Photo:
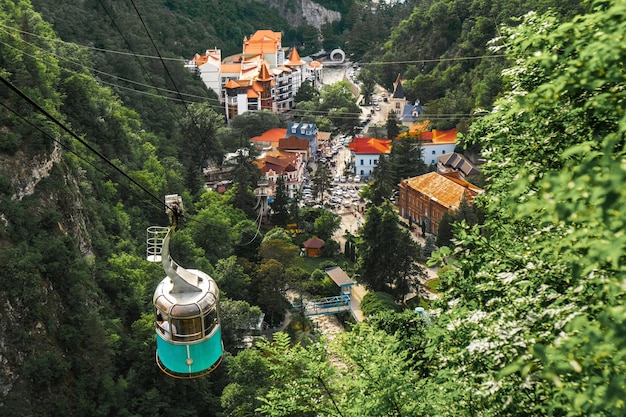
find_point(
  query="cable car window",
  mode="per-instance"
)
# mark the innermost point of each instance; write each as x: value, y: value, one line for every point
x: 186, y: 329
x: 210, y: 321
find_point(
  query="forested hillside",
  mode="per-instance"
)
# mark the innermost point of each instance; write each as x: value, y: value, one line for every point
x: 448, y: 55
x: 532, y: 315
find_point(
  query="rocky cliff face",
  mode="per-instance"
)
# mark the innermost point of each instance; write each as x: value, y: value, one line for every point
x: 301, y: 12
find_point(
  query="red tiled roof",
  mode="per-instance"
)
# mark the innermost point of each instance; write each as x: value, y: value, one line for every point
x: 272, y: 135
x: 446, y: 190
x: 294, y: 143
x: 370, y: 146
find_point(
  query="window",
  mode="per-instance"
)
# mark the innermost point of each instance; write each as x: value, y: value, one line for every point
x: 362, y: 162
x: 186, y: 329
x: 433, y: 152
x: 375, y: 161
x: 210, y: 321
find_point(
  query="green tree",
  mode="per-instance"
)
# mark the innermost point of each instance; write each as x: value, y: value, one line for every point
x: 381, y: 186
x: 199, y: 144
x: 368, y: 84
x: 245, y: 176
x: 277, y: 245
x: 254, y: 123
x: 280, y: 205
x: 393, y: 130
x: 538, y: 300
x: 387, y: 255
x: 249, y: 377
x: 306, y: 92
x: 327, y: 224
x: 406, y: 159
x: 232, y: 279
x: 339, y: 102
x: 269, y: 287
x: 322, y: 180
x: 238, y: 319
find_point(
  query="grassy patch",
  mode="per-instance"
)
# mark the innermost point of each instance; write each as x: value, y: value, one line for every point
x: 311, y: 264
x: 433, y: 284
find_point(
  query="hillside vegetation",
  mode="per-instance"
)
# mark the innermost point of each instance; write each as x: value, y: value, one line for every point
x: 532, y: 315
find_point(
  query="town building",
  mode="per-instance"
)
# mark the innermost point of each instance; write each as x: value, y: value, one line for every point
x: 277, y: 163
x: 407, y: 113
x: 259, y: 78
x: 424, y: 199
x: 436, y: 143
x: 268, y: 139
x: 286, y: 152
x: 367, y: 152
x: 306, y: 131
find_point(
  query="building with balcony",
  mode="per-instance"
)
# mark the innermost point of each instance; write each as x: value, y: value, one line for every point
x: 258, y: 78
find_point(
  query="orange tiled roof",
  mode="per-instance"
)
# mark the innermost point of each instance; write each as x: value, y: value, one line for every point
x: 262, y: 41
x: 294, y: 58
x: 418, y: 128
x: 440, y: 136
x: 264, y: 73
x: 278, y: 153
x: 231, y: 84
x: 323, y: 136
x: 231, y: 68
x: 281, y: 69
x: 277, y: 164
x: 272, y: 135
x: 446, y: 190
x: 315, y: 64
x: 370, y: 146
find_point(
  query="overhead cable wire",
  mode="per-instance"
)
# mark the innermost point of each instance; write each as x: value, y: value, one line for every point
x: 75, y: 136
x: 167, y: 70
x: 426, y: 61
x: 340, y: 116
x: 106, y: 74
x: 67, y: 148
x: 410, y: 61
x: 184, y: 103
x: 110, y: 51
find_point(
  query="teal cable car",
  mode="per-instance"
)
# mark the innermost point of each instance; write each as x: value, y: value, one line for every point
x: 186, y: 304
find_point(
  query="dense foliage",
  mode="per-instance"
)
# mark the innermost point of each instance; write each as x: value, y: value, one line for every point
x: 441, y: 52
x: 532, y: 318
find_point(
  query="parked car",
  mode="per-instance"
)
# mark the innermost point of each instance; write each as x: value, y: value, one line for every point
x: 357, y: 178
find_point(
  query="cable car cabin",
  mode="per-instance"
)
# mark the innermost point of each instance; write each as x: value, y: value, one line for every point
x: 188, y: 332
